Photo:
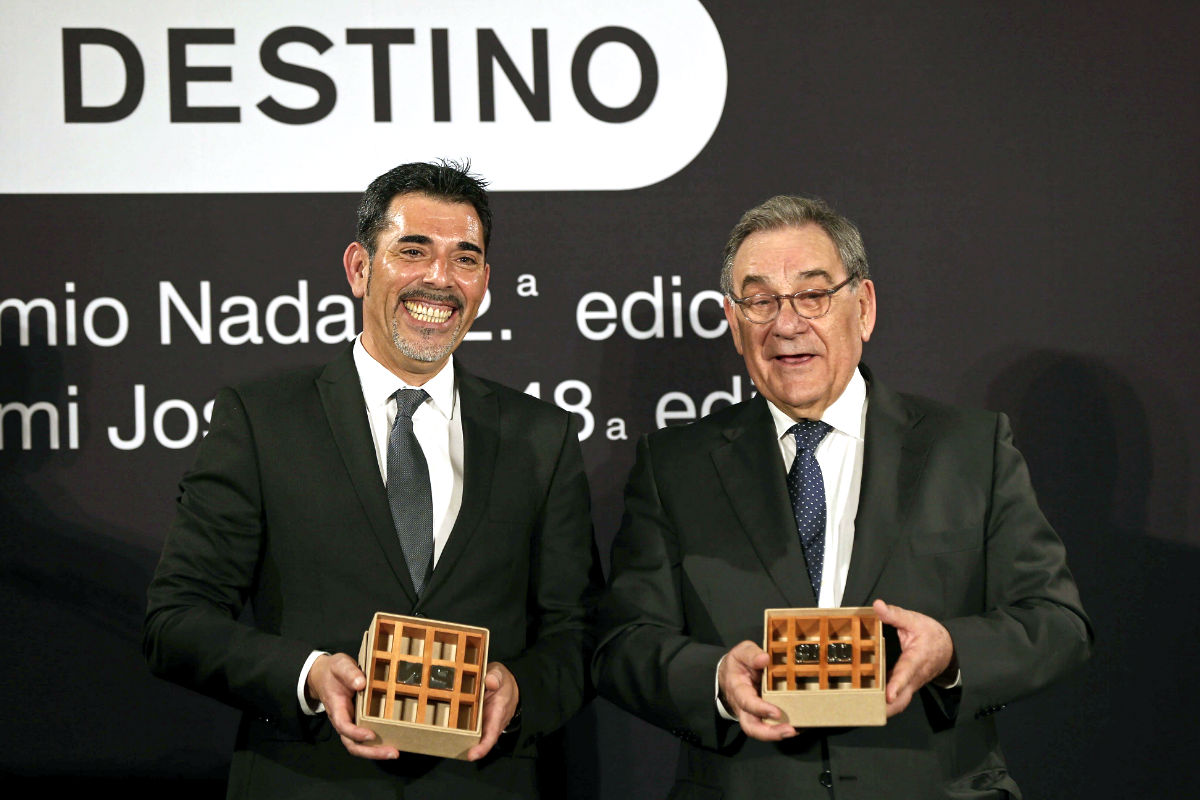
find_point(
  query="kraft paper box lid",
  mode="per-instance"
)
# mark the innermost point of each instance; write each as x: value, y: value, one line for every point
x: 827, y: 666
x: 424, y: 690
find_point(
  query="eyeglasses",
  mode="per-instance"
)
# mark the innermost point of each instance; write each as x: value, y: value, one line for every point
x: 810, y: 304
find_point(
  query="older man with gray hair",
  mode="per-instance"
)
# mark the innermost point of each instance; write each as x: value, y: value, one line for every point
x: 828, y: 489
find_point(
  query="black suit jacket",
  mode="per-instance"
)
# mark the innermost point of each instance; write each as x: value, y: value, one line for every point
x: 947, y: 525
x: 285, y: 509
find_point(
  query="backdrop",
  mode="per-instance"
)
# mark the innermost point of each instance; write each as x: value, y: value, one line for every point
x: 179, y: 181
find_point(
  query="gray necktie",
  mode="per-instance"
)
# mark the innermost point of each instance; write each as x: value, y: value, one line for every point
x: 408, y: 489
x: 806, y: 485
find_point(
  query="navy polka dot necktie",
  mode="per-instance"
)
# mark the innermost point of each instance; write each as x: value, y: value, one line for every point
x: 408, y: 489
x: 807, y: 489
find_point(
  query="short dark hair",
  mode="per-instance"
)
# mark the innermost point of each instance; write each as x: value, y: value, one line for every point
x: 791, y: 211
x: 442, y: 180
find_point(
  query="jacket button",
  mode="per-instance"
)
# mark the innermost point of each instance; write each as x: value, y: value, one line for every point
x: 826, y: 779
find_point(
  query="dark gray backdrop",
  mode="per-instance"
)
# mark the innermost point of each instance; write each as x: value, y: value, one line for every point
x: 1025, y: 178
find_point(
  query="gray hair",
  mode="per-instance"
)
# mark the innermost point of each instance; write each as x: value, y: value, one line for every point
x: 790, y: 211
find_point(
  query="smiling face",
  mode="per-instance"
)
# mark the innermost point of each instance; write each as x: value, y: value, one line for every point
x: 424, y: 286
x: 800, y: 365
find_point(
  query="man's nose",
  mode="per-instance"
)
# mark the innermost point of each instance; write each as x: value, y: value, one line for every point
x: 789, y: 322
x: 438, y: 271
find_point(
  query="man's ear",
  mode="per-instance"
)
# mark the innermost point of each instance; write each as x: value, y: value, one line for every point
x: 358, y: 268
x: 866, y: 309
x: 735, y: 324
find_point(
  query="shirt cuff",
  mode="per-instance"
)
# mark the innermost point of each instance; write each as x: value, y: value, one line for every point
x: 721, y: 709
x: 300, y: 684
x: 942, y: 683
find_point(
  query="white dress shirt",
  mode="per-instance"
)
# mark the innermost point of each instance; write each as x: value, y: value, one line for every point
x: 840, y: 456
x: 437, y: 425
x: 438, y: 428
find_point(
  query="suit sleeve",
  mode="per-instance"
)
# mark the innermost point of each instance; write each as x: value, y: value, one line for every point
x: 565, y: 578
x: 1033, y: 629
x: 646, y: 662
x: 192, y: 635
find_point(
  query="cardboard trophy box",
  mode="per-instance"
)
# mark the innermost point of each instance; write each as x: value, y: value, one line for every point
x: 826, y: 667
x: 424, y: 690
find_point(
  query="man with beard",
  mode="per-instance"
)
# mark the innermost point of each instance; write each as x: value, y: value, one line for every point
x: 387, y: 480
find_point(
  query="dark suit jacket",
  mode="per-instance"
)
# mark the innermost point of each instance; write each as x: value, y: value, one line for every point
x: 947, y: 525
x: 285, y: 508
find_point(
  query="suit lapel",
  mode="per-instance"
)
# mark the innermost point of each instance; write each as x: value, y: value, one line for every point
x: 893, y: 460
x: 751, y: 471
x: 481, y: 440
x: 342, y: 398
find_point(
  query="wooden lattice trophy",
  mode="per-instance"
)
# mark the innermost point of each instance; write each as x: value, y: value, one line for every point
x: 826, y: 667
x: 424, y: 690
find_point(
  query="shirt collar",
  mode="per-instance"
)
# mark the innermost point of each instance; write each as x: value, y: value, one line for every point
x: 379, y: 383
x: 844, y: 414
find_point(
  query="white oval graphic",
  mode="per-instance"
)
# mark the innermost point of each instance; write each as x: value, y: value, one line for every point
x: 118, y: 97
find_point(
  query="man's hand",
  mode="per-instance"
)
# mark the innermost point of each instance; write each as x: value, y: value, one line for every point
x: 738, y: 678
x: 926, y: 652
x: 500, y: 698
x: 334, y: 680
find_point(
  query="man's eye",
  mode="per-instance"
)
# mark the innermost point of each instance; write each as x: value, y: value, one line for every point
x: 760, y: 302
